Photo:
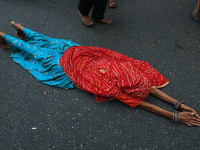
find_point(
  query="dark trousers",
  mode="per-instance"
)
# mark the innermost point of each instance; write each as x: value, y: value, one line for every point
x: 99, y: 7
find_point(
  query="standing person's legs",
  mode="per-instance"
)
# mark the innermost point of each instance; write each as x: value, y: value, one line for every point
x: 84, y: 8
x: 99, y: 10
x: 196, y: 10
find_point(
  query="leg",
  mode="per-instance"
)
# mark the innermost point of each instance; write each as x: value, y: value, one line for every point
x: 17, y: 44
x: 198, y: 8
x: 99, y: 10
x: 36, y: 39
x: 19, y: 29
x: 196, y: 11
x: 84, y: 8
x: 25, y: 33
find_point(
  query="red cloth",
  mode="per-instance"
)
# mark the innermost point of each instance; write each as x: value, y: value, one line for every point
x: 109, y: 75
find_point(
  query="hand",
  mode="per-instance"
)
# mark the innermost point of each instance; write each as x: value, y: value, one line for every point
x: 184, y: 107
x: 189, y: 119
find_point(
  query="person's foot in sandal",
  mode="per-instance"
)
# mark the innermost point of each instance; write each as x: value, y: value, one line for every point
x: 112, y: 3
x: 196, y: 10
x: 3, y: 43
x: 85, y: 19
x: 19, y: 28
x: 104, y: 20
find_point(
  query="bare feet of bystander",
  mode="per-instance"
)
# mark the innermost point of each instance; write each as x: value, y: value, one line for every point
x: 85, y: 19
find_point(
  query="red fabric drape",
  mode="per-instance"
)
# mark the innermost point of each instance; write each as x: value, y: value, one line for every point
x: 109, y: 75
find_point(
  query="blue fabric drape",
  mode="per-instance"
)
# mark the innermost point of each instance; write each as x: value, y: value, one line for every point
x: 40, y: 55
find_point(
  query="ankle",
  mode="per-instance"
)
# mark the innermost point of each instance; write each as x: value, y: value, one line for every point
x: 2, y: 34
x: 17, y: 26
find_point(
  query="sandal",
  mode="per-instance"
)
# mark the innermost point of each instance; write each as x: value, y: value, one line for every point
x: 195, y: 10
x: 112, y: 4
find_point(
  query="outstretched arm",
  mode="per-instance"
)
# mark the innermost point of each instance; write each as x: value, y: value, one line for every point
x: 187, y: 118
x: 163, y: 96
x: 155, y: 109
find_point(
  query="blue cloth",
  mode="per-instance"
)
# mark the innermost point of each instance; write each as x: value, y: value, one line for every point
x: 40, y: 55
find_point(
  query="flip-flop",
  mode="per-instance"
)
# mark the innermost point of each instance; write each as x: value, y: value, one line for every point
x: 112, y: 4
x: 197, y: 12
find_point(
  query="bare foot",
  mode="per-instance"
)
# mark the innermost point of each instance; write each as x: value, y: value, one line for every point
x: 112, y: 3
x: 3, y: 43
x: 85, y: 19
x: 104, y: 20
x: 2, y: 34
x: 19, y: 28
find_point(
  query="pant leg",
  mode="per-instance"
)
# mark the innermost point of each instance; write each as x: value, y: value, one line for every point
x: 85, y: 6
x: 99, y: 9
x: 32, y: 35
x: 17, y: 44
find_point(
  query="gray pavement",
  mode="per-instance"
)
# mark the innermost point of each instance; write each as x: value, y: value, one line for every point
x: 159, y: 32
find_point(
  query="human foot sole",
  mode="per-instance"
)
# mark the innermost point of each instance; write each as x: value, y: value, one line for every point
x: 3, y: 43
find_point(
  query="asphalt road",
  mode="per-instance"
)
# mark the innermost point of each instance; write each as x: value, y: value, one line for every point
x: 159, y: 32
